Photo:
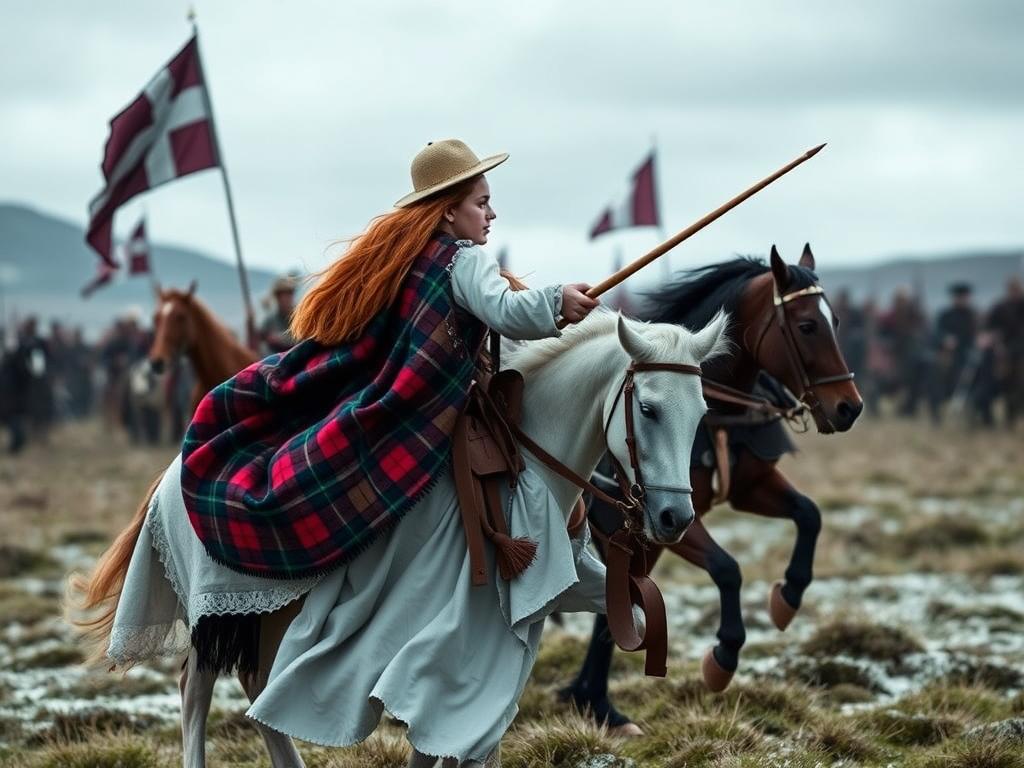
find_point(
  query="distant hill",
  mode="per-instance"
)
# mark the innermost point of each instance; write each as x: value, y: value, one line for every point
x: 44, y: 262
x: 930, y: 277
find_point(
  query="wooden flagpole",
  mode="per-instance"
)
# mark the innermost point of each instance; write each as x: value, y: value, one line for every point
x: 675, y: 240
x: 243, y: 276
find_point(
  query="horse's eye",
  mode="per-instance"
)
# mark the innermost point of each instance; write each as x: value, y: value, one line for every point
x: 648, y: 412
x: 808, y: 327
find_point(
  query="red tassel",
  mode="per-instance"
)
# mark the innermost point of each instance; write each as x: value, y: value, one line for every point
x: 513, y: 555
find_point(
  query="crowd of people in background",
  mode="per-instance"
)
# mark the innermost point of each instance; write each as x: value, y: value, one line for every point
x: 58, y: 377
x: 962, y: 362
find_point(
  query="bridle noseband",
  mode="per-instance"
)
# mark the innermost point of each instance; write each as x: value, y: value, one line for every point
x: 807, y: 396
x: 632, y: 504
x: 634, y: 493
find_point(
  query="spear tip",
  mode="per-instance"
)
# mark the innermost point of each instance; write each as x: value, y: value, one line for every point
x: 816, y: 150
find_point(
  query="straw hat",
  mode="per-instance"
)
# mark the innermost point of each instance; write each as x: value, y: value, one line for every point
x: 443, y: 164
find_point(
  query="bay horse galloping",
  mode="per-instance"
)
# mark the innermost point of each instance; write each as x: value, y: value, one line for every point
x: 183, y: 325
x: 784, y: 326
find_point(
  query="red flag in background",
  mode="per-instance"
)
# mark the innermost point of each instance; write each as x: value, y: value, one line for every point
x: 164, y: 134
x: 137, y: 248
x: 104, y: 274
x: 639, y: 209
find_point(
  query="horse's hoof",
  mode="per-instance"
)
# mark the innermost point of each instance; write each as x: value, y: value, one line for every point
x: 626, y: 731
x: 716, y: 677
x: 782, y: 613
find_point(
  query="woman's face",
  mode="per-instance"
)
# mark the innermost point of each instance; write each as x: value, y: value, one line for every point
x: 471, y: 219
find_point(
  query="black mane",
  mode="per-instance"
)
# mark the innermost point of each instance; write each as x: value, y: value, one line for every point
x: 692, y: 298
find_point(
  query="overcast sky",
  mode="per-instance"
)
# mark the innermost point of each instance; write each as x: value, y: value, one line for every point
x: 320, y: 107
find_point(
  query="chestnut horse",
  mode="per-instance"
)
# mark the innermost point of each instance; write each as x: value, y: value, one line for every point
x: 782, y: 325
x: 183, y: 325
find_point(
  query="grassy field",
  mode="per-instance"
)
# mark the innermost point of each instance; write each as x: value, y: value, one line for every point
x: 909, y: 649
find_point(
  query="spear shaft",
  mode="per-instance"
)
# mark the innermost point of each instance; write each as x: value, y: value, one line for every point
x: 675, y: 240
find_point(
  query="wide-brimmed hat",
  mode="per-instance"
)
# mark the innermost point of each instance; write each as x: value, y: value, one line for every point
x: 443, y: 164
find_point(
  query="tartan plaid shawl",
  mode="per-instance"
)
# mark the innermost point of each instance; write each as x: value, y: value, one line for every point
x: 297, y: 463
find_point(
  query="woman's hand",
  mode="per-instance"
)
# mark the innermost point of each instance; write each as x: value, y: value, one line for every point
x: 576, y: 305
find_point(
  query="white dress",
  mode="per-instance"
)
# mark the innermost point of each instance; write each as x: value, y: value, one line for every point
x: 401, y: 627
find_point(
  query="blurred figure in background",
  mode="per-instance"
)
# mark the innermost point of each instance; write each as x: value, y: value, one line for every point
x: 274, y: 333
x: 853, y: 334
x: 903, y: 333
x: 80, y: 375
x: 956, y: 330
x: 1005, y: 323
x: 28, y: 397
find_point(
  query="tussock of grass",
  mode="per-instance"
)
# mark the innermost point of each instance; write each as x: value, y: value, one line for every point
x: 848, y: 693
x: 20, y: 607
x: 944, y: 533
x: 972, y: 753
x: 558, y: 742
x: 110, y: 684
x: 971, y: 704
x: 902, y: 729
x: 861, y: 639
x: 20, y: 561
x: 831, y: 673
x: 111, y: 751
x: 840, y: 738
x: 56, y: 656
x: 86, y: 726
x: 996, y: 562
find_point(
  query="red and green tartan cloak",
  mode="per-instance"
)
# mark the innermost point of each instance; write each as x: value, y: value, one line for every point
x: 296, y: 464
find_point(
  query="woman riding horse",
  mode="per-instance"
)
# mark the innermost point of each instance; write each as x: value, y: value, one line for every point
x: 300, y: 463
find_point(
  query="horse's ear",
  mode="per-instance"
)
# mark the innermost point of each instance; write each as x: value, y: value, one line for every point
x: 807, y: 258
x: 713, y: 339
x: 779, y: 270
x: 192, y: 288
x: 636, y: 346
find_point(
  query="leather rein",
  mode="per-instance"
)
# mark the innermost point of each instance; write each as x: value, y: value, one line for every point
x: 627, y: 582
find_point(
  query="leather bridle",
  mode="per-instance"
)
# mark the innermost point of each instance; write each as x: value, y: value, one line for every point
x: 777, y: 317
x: 627, y: 582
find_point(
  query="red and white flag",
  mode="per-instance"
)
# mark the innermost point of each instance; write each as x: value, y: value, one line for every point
x: 137, y: 249
x: 638, y: 209
x: 105, y: 273
x: 167, y: 132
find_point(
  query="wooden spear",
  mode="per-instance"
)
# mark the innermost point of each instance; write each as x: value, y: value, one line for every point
x: 675, y: 240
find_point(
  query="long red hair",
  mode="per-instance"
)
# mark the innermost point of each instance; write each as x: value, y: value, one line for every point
x: 367, y: 278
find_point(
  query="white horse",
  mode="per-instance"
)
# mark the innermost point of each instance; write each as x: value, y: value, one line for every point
x: 572, y: 391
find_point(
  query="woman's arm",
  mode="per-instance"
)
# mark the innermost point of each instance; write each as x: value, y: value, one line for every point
x: 479, y: 288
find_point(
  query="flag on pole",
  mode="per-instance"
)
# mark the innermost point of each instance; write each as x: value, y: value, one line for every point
x: 137, y: 249
x: 166, y: 133
x: 638, y: 209
x: 105, y: 272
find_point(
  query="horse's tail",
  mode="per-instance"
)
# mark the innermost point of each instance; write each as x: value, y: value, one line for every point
x: 103, y: 586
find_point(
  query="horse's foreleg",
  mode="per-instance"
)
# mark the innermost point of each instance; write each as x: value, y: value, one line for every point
x: 700, y: 549
x: 283, y: 753
x: 773, y: 496
x: 196, y: 688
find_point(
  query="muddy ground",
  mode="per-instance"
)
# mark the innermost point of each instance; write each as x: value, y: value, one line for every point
x: 909, y: 649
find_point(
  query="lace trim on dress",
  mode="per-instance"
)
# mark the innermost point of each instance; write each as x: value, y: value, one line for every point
x: 131, y: 645
x: 220, y: 603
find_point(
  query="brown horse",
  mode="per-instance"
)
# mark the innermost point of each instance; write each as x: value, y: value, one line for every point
x: 183, y: 325
x: 783, y: 326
